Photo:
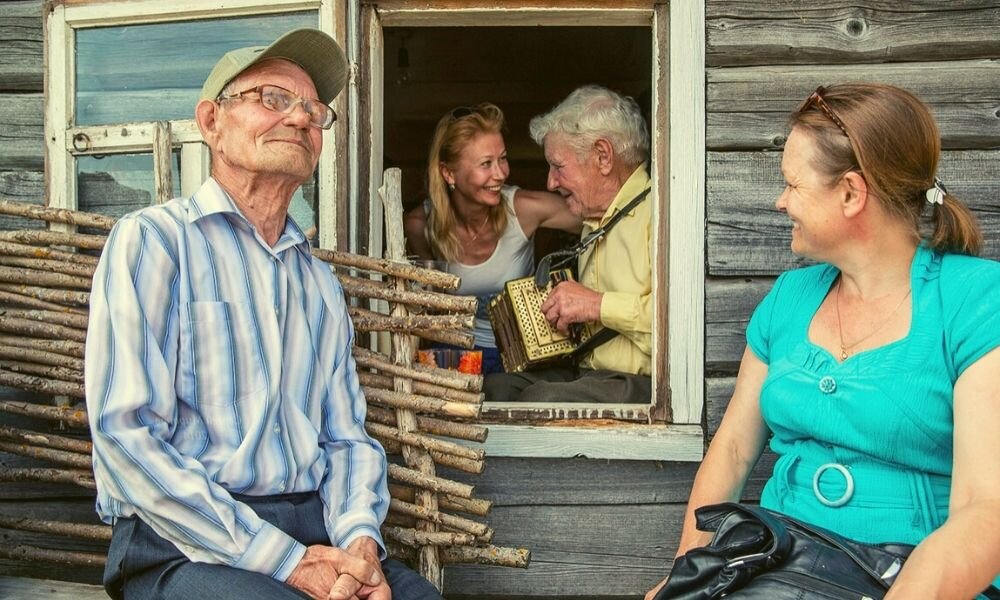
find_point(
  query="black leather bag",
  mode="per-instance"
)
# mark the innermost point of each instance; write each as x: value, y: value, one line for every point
x: 760, y: 554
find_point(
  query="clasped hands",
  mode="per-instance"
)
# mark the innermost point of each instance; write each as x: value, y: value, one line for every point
x: 571, y: 302
x: 328, y: 573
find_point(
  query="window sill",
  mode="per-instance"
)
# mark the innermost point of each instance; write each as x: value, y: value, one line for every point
x: 684, y: 443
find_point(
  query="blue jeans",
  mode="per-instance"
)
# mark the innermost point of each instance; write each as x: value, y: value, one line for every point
x: 143, y: 565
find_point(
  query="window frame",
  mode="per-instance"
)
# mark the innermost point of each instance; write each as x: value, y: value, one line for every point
x: 675, y: 411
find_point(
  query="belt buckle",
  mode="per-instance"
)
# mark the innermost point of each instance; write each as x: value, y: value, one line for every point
x: 848, y: 479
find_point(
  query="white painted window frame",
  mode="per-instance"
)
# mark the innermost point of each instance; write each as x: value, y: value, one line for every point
x: 682, y: 194
x: 61, y: 24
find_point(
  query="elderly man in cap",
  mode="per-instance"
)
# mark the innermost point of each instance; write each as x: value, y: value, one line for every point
x: 596, y: 143
x: 227, y: 418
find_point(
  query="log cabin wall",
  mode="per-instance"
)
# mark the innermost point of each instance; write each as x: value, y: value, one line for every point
x: 606, y: 529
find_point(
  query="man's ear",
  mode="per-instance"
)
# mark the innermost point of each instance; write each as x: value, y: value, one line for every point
x: 605, y: 153
x: 855, y: 195
x: 206, y: 114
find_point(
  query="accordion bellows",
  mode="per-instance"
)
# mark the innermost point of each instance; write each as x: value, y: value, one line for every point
x: 523, y: 335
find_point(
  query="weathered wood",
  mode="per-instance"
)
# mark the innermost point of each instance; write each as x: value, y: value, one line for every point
x: 747, y: 235
x: 67, y: 297
x: 15, y: 299
x: 486, y: 555
x: 472, y: 506
x: 367, y: 288
x: 367, y: 320
x: 21, y: 46
x: 58, y: 238
x: 34, y: 383
x: 49, y: 440
x: 15, y: 249
x: 412, y: 438
x: 423, y: 404
x: 29, y: 588
x: 417, y: 538
x: 743, y: 32
x: 440, y: 458
x: 23, y: 136
x: 67, y: 348
x: 162, y: 155
x: 48, y: 555
x: 430, y: 277
x: 55, y: 215
x: 70, y: 459
x: 749, y: 107
x: 78, y: 477
x: 461, y: 431
x: 80, y: 530
x: 384, y: 382
x: 47, y: 371
x: 55, y: 266
x: 421, y: 512
x: 23, y: 186
x: 43, y: 278
x: 428, y: 482
x: 67, y: 414
x: 39, y: 356
x: 44, y: 316
x: 418, y: 372
x: 729, y: 303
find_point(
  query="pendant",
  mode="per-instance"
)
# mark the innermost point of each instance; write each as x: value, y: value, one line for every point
x: 843, y: 353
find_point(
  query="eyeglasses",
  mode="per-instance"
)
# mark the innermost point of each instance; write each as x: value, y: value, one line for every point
x: 282, y: 101
x: 817, y: 99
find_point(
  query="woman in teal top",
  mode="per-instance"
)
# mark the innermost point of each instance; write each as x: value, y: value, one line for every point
x: 875, y: 374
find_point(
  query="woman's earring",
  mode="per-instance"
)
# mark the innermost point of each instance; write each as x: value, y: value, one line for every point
x: 451, y: 187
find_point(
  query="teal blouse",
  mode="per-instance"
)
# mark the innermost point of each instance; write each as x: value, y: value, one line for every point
x: 865, y: 446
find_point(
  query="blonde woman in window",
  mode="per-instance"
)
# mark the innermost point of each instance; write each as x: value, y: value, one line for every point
x: 473, y: 220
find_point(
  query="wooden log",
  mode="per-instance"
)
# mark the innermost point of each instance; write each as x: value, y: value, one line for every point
x: 56, y: 215
x: 43, y: 278
x: 47, y: 316
x: 460, y: 523
x: 64, y: 297
x: 486, y: 555
x: 34, y: 383
x: 429, y: 482
x: 412, y: 438
x: 440, y: 458
x: 44, y: 264
x: 400, y: 552
x: 29, y: 302
x: 424, y: 404
x: 49, y: 440
x: 101, y: 533
x: 461, y: 431
x: 40, y: 357
x: 83, y: 479
x: 424, y: 373
x: 70, y: 459
x: 384, y: 382
x: 33, y: 328
x: 369, y: 320
x: 404, y: 270
x: 63, y: 347
x: 24, y: 250
x: 417, y: 538
x: 47, y: 371
x: 55, y: 238
x: 67, y: 414
x: 367, y: 288
x: 472, y: 506
x: 452, y: 337
x: 46, y: 555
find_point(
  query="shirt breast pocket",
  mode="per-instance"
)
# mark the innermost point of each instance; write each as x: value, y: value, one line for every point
x: 221, y: 355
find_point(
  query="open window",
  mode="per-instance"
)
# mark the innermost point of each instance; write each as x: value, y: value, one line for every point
x: 422, y: 59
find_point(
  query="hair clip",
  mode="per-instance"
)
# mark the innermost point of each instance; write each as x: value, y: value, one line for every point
x: 936, y: 194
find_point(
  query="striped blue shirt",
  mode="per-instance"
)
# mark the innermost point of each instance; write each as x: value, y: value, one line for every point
x: 217, y: 364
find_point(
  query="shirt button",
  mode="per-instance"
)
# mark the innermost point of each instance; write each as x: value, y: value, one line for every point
x: 277, y: 429
x: 828, y: 385
x: 282, y: 486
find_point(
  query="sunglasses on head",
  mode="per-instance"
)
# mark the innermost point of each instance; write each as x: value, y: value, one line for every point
x: 817, y: 98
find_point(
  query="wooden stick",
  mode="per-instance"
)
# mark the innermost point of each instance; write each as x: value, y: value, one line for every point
x: 56, y: 215
x: 405, y: 270
x: 434, y: 375
x: 47, y: 371
x: 384, y: 382
x: 32, y: 328
x: 68, y: 414
x: 412, y: 438
x: 55, y: 266
x: 367, y: 288
x: 472, y: 506
x: 40, y: 356
x: 441, y: 459
x: 55, y: 238
x: 424, y: 404
x: 63, y: 347
x: 15, y: 249
x: 34, y: 383
x: 460, y: 523
x: 486, y: 555
x: 81, y: 478
x: 70, y: 459
x: 29, y: 302
x: 48, y: 440
x: 452, y: 337
x: 429, y: 482
x: 46, y: 555
x: 47, y: 316
x: 461, y: 431
x: 400, y: 552
x: 101, y: 533
x: 416, y: 538
x: 369, y: 320
x: 43, y: 278
x: 48, y: 294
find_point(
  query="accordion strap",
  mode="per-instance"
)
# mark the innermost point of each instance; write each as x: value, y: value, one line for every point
x: 560, y: 258
x: 606, y: 334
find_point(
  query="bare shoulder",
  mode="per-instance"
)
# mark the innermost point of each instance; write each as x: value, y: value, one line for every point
x: 537, y: 208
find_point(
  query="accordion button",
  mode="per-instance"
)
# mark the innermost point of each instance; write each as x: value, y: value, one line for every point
x: 828, y: 385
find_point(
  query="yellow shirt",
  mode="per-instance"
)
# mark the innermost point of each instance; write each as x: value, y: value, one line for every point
x: 621, y: 266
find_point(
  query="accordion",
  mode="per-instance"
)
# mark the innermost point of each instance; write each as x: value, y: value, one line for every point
x: 524, y: 337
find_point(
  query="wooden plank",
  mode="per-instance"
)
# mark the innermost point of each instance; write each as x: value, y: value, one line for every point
x: 21, y: 135
x: 22, y: 186
x: 749, y: 107
x: 589, y: 551
x: 26, y: 588
x: 744, y: 32
x: 728, y: 306
x: 69, y: 510
x: 21, y: 46
x: 747, y: 235
x: 619, y: 441
x: 580, y: 481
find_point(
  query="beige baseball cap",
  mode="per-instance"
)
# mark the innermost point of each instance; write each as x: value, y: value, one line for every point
x: 316, y: 52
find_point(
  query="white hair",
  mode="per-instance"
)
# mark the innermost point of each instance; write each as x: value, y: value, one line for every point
x: 592, y: 112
